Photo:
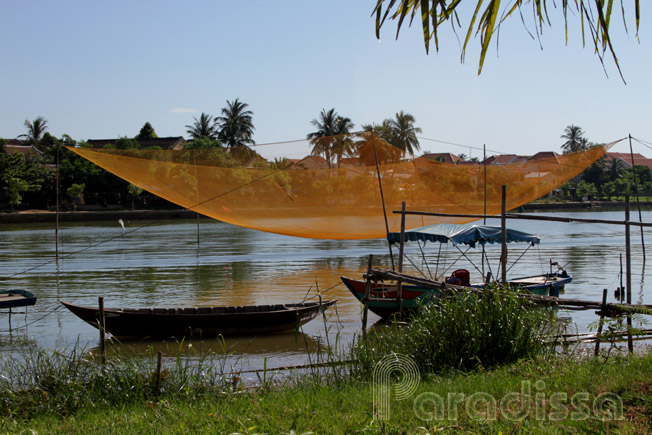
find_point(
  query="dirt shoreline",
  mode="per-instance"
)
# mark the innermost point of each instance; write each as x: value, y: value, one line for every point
x: 29, y: 216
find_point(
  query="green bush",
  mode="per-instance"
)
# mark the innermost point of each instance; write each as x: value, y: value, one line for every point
x: 462, y: 332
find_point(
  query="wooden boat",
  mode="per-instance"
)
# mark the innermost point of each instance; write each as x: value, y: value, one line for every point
x: 384, y: 295
x: 201, y: 321
x: 16, y: 298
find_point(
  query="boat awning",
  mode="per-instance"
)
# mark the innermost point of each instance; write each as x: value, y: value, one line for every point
x: 461, y: 234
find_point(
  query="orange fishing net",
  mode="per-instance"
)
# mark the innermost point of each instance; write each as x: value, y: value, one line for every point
x: 336, y: 197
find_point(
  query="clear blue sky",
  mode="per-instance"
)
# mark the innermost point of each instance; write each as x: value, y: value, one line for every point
x: 102, y: 69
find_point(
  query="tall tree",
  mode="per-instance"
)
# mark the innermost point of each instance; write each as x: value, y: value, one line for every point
x: 575, y: 140
x: 146, y: 132
x: 486, y: 20
x: 331, y: 138
x: 35, y: 130
x: 204, y: 127
x: 403, y: 132
x: 236, y: 127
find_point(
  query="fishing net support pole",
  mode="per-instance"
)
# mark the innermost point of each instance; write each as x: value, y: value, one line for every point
x: 503, y: 236
x: 638, y: 201
x: 382, y: 196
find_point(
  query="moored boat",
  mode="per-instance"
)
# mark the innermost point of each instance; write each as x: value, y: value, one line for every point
x: 384, y: 296
x: 16, y: 298
x: 201, y: 321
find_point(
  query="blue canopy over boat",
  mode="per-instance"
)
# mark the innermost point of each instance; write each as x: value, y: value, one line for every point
x: 462, y: 234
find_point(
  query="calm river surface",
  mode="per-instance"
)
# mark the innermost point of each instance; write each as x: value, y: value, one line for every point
x: 161, y: 264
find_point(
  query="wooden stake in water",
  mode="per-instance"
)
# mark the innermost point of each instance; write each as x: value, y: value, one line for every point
x: 102, y: 326
x: 158, y: 373
x: 503, y: 236
x: 628, y: 272
x: 601, y: 322
x: 367, y: 292
x: 399, y: 292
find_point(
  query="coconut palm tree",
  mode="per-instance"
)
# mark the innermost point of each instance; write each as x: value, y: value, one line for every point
x: 35, y: 130
x: 204, y: 127
x: 489, y: 16
x: 403, y: 133
x: 575, y: 140
x: 331, y: 138
x: 236, y: 126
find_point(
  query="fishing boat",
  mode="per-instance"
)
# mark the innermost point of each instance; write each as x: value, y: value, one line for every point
x: 201, y: 321
x: 384, y: 296
x: 16, y: 298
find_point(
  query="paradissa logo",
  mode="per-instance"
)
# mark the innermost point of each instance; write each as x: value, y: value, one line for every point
x: 396, y: 377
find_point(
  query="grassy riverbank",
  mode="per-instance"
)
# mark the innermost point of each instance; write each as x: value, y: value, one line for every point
x: 557, y: 395
x: 466, y: 364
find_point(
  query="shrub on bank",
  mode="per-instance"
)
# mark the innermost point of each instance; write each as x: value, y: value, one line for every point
x: 462, y: 332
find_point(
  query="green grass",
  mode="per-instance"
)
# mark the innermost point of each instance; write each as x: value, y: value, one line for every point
x: 347, y: 407
x: 481, y: 359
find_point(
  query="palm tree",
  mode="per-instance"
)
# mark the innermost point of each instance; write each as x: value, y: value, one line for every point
x: 204, y: 127
x: 35, y: 130
x: 331, y: 138
x: 404, y: 133
x: 615, y: 169
x: 488, y: 18
x: 575, y: 140
x: 236, y: 126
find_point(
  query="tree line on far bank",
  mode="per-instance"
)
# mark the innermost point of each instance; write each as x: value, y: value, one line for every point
x: 28, y: 181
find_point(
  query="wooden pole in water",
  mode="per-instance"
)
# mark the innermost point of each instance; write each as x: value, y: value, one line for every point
x: 367, y: 292
x: 638, y: 201
x: 628, y: 269
x: 399, y: 295
x: 100, y: 301
x: 601, y: 322
x: 158, y: 373
x: 503, y: 236
x: 484, y: 219
x: 56, y: 208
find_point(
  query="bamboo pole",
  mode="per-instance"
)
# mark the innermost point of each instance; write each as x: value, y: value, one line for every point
x: 399, y: 290
x: 503, y: 236
x: 382, y: 196
x: 367, y: 292
x: 530, y: 217
x: 100, y: 300
x: 638, y: 201
x: 600, y: 323
x: 628, y: 268
x: 158, y: 373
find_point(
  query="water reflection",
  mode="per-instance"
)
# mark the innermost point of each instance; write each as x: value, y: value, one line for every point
x: 162, y: 265
x: 265, y: 345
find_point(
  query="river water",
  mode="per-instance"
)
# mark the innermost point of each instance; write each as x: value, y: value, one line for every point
x: 162, y: 263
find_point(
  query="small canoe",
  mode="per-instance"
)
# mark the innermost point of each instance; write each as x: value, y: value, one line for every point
x: 16, y: 298
x: 201, y: 321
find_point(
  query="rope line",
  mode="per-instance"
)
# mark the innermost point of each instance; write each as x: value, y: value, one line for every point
x: 33, y: 321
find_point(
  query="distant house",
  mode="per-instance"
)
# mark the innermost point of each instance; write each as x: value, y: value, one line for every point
x: 544, y: 155
x: 309, y: 162
x: 165, y: 143
x: 505, y: 159
x: 442, y: 157
x: 626, y: 159
x: 18, y: 146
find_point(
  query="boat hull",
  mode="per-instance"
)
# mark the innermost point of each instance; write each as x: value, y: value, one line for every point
x: 200, y: 322
x: 16, y: 298
x: 413, y: 297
